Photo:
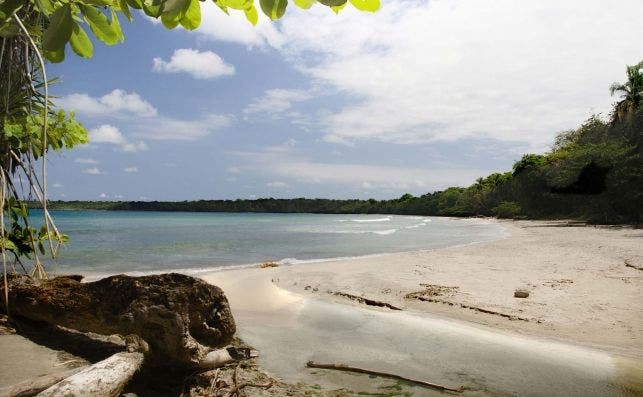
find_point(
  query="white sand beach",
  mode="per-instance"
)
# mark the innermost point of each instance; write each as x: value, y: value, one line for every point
x: 580, y: 289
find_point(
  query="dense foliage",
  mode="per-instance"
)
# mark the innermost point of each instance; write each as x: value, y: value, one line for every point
x: 68, y: 21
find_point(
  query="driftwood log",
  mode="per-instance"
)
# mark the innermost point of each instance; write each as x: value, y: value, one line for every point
x: 31, y: 387
x: 181, y: 318
x: 106, y: 378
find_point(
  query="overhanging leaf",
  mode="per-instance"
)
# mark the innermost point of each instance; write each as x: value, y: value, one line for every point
x: 122, y: 4
x: 192, y: 18
x: 80, y: 42
x: 366, y: 5
x: 337, y: 9
x: 100, y: 26
x: 274, y: 9
x: 305, y: 4
x: 332, y: 3
x: 59, y: 29
x: 251, y: 15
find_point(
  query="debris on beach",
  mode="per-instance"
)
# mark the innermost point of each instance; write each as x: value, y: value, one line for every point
x: 268, y: 264
x: 521, y: 293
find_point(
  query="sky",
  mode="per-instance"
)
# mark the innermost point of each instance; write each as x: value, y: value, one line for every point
x: 416, y: 97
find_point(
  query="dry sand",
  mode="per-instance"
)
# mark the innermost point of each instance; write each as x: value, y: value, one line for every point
x: 580, y: 289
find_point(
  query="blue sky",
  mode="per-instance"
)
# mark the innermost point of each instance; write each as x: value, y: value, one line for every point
x: 416, y: 97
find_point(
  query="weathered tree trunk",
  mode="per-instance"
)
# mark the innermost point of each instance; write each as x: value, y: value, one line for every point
x: 31, y: 387
x: 106, y: 378
x: 181, y: 318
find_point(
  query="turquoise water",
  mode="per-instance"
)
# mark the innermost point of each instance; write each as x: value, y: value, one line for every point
x: 110, y: 242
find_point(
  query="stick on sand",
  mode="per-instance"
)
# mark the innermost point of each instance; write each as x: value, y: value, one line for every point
x: 342, y: 367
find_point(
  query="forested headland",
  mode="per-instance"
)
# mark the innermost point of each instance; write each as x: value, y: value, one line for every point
x: 592, y: 173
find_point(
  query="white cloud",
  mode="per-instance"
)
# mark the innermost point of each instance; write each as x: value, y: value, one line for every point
x: 276, y: 100
x: 444, y: 70
x: 131, y: 169
x: 92, y: 171
x: 164, y: 128
x: 81, y: 160
x: 57, y: 185
x: 277, y: 184
x: 109, y: 134
x: 201, y: 65
x: 234, y: 28
x: 233, y: 170
x: 103, y: 195
x: 300, y: 169
x: 117, y: 102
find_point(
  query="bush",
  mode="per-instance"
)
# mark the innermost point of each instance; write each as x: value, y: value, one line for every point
x: 507, y: 209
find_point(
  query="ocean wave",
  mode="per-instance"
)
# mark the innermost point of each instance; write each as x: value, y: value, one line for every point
x: 379, y: 232
x: 388, y: 218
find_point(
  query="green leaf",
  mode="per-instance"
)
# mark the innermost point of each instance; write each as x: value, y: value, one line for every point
x: 169, y: 20
x: 116, y: 25
x: 45, y: 6
x: 332, y: 3
x: 221, y: 6
x: 238, y: 4
x: 9, y: 29
x: 8, y: 7
x: 136, y: 4
x: 59, y: 29
x: 7, y: 244
x: 80, y: 42
x: 337, y: 9
x: 122, y: 4
x: 100, y: 26
x: 274, y: 9
x: 192, y: 18
x: 173, y: 12
x: 152, y: 8
x: 366, y: 5
x: 251, y: 15
x: 305, y: 4
x: 177, y: 6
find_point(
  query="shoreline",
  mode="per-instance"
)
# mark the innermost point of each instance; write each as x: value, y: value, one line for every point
x: 580, y: 290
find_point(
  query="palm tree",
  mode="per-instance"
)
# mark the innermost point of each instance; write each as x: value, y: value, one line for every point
x: 631, y: 93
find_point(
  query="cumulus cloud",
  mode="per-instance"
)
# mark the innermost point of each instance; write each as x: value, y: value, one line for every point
x: 276, y: 100
x: 277, y: 184
x: 200, y: 65
x: 420, y: 71
x: 81, y: 160
x: 109, y: 134
x: 118, y: 102
x: 165, y: 128
x: 92, y: 171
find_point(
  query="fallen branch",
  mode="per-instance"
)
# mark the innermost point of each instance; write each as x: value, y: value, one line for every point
x: 342, y: 367
x: 106, y: 378
x: 366, y: 301
x: 31, y: 387
x: 628, y: 264
x: 462, y: 305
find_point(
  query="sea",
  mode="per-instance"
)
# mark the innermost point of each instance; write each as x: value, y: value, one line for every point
x: 143, y: 242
